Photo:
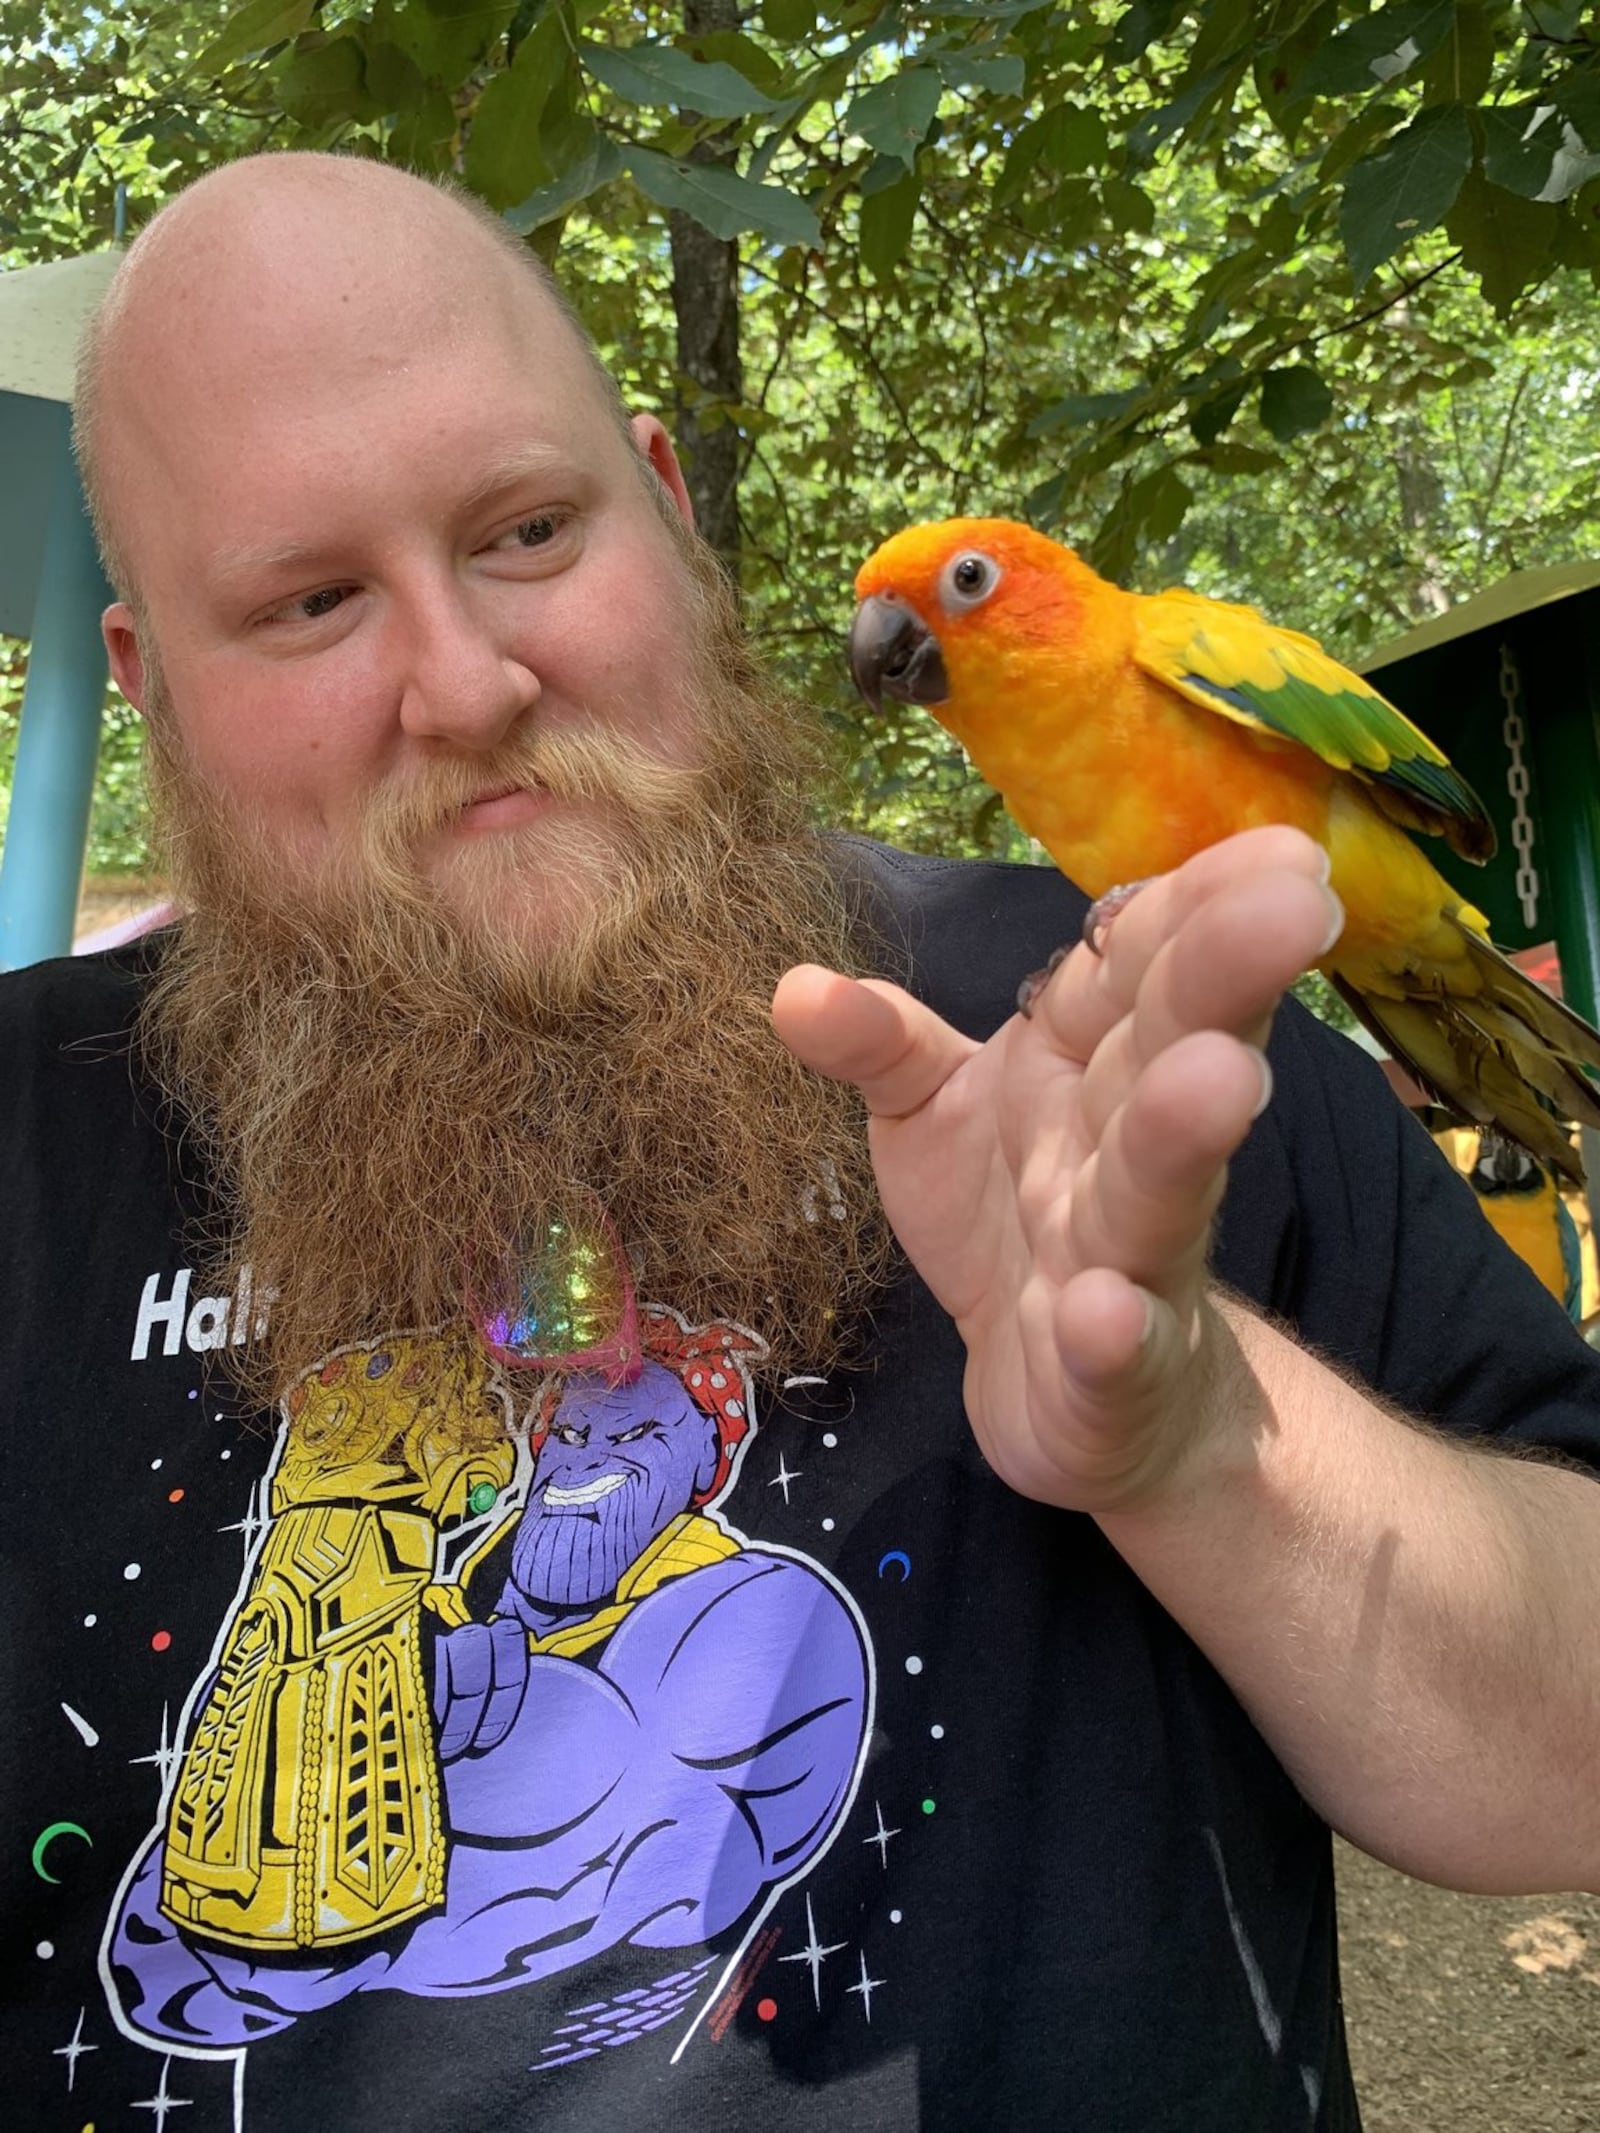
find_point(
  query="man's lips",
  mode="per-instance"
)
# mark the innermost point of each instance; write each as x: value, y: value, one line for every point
x: 506, y: 807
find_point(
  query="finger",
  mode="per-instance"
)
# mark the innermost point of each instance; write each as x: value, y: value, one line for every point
x: 1226, y: 968
x: 1144, y: 1202
x: 1090, y: 994
x: 1116, y: 1341
x: 898, y: 1053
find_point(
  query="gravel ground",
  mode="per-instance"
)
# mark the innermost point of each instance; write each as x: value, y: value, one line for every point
x: 1469, y: 2014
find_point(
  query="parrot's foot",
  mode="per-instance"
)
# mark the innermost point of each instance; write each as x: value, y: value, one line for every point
x: 1100, y: 914
x: 1036, y: 981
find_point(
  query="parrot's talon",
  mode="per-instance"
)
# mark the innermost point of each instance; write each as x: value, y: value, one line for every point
x: 1036, y: 981
x: 1097, y: 920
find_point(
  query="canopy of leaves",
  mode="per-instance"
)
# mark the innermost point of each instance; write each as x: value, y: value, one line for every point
x: 1294, y: 300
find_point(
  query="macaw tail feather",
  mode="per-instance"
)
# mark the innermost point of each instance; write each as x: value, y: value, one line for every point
x: 1508, y: 1054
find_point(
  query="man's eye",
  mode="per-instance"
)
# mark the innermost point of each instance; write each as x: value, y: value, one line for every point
x: 567, y: 1435
x: 310, y: 607
x: 640, y: 1429
x: 540, y: 529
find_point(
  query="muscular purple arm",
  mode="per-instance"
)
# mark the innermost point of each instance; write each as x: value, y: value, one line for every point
x: 649, y: 1799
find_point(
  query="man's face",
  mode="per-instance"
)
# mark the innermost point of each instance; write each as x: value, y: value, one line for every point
x: 617, y: 1467
x: 379, y: 564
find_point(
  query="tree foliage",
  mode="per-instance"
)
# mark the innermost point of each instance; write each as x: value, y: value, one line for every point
x: 1295, y: 300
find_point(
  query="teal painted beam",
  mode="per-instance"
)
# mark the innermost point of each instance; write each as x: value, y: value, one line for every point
x: 59, y: 739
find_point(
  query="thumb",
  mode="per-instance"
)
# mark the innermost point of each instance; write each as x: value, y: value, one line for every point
x: 864, y: 1030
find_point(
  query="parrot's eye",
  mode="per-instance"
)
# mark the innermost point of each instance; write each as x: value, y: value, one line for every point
x: 969, y: 579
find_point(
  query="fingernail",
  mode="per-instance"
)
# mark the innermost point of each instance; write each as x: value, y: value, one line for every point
x: 1324, y: 864
x: 1266, y: 1081
x: 1336, y: 921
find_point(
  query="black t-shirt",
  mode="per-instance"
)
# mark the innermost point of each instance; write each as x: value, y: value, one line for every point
x: 861, y: 1793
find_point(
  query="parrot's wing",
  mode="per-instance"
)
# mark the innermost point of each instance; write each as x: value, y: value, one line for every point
x: 1233, y: 661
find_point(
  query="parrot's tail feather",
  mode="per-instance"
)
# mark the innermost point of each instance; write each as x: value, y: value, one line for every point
x: 1508, y: 1055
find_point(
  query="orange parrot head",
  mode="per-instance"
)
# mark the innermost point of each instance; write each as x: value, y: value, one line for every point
x: 945, y: 610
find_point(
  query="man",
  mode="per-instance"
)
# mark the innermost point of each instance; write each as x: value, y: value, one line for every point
x: 495, y: 846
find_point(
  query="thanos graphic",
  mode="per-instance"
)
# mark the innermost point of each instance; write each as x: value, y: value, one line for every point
x: 500, y: 1696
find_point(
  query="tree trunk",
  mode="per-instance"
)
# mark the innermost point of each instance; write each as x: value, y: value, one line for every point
x: 705, y: 300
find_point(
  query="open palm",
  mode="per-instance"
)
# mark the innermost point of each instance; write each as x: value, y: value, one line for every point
x: 1055, y: 1186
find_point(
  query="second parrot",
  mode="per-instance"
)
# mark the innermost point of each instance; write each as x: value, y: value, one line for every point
x: 1127, y: 731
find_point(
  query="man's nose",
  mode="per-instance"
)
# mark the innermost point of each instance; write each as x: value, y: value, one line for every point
x: 462, y: 683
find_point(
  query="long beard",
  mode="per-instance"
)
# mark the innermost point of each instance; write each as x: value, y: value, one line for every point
x: 391, y: 1097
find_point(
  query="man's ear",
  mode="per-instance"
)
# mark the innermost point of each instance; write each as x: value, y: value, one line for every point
x: 653, y: 444
x: 121, y: 636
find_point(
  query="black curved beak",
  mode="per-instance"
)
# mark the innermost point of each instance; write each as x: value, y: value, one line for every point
x: 894, y: 653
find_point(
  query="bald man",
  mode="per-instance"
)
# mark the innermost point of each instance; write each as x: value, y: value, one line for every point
x: 526, y: 1608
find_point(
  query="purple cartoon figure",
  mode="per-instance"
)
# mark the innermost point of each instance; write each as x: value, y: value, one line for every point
x: 450, y: 1746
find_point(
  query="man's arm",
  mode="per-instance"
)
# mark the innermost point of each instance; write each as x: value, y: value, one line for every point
x: 1410, y: 1622
x: 1390, y: 1609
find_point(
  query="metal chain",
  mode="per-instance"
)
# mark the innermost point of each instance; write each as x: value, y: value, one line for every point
x: 1514, y: 733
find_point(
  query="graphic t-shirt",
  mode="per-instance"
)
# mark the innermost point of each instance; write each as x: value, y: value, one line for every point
x: 677, y: 1746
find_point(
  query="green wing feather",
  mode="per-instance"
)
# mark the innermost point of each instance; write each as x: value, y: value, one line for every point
x: 1231, y: 660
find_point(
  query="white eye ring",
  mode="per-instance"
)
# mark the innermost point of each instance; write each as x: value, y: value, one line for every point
x: 968, y: 580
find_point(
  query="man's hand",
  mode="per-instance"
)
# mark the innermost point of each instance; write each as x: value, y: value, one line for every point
x: 1055, y: 1186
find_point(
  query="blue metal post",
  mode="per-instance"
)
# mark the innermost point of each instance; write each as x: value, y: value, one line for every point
x: 48, y: 826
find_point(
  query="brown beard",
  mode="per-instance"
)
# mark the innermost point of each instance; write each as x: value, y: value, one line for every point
x: 388, y: 1094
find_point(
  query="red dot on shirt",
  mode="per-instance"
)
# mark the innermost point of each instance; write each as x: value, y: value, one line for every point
x: 767, y: 2009
x: 175, y: 1496
x: 161, y: 1639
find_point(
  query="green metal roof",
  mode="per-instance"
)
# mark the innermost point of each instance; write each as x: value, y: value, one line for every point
x: 1508, y: 597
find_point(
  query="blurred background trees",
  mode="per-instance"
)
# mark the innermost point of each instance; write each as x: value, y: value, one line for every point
x: 1297, y: 303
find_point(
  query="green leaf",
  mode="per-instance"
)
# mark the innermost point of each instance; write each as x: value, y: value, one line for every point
x: 1506, y: 241
x: 999, y: 11
x: 393, y: 79
x: 421, y: 138
x: 1234, y: 458
x: 894, y: 115
x: 597, y: 166
x: 505, y: 160
x: 651, y: 74
x: 744, y: 55
x: 1142, y: 25
x: 887, y: 218
x: 1462, y: 66
x: 722, y: 201
x: 1519, y: 146
x: 1080, y: 411
x: 327, y: 81
x: 997, y: 74
x: 1127, y: 206
x: 1149, y: 509
x: 1293, y: 401
x: 1149, y: 133
x: 1377, y: 49
x: 1065, y: 140
x: 444, y: 41
x: 255, y: 27
x: 789, y: 21
x: 1409, y: 187
x: 1213, y: 415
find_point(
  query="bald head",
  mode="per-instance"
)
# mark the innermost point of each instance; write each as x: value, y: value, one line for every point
x: 280, y: 264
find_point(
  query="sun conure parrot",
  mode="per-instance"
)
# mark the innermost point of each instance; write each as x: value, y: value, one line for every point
x: 1127, y: 731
